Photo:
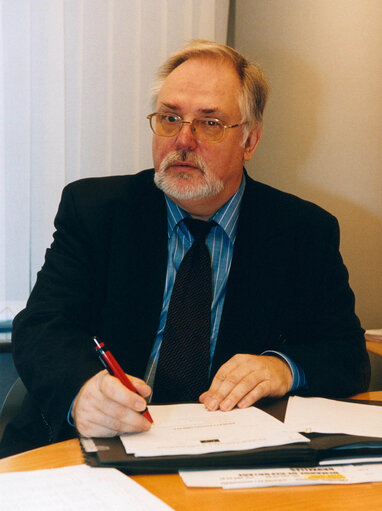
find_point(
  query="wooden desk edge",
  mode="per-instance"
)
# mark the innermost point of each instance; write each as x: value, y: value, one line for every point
x: 374, y: 347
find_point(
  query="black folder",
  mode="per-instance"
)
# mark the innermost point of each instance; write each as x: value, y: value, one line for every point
x: 111, y: 453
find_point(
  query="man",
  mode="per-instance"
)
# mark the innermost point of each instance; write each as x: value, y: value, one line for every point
x: 282, y: 313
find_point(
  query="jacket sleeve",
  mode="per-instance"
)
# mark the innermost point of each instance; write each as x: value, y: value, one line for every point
x: 52, y: 336
x: 327, y: 341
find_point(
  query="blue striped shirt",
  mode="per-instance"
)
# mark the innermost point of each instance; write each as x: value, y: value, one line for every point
x: 220, y: 242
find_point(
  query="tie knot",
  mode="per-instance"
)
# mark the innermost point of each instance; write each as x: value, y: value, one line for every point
x: 198, y: 228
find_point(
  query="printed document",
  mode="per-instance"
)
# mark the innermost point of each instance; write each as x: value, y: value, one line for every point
x: 191, y: 429
x: 299, y: 476
x: 78, y: 488
x: 315, y: 414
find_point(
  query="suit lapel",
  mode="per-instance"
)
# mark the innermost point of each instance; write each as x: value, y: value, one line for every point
x: 137, y: 272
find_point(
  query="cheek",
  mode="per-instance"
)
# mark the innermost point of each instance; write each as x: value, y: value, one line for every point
x: 161, y: 147
x: 159, y: 151
x: 217, y: 159
x: 227, y: 163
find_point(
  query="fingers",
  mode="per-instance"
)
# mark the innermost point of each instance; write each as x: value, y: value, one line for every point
x: 245, y: 379
x: 141, y: 386
x: 105, y: 407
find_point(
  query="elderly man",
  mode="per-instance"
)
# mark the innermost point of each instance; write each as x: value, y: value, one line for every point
x: 265, y: 266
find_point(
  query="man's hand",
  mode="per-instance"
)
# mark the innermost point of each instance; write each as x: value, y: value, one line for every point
x: 245, y: 379
x: 104, y: 407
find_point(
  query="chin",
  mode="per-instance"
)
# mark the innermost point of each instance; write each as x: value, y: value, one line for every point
x: 184, y: 186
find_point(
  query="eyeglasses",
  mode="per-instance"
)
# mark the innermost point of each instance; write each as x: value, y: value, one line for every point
x: 205, y: 129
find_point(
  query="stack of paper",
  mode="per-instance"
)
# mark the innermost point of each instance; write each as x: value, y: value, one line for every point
x: 192, y: 438
x: 309, y: 415
x: 191, y: 429
x: 374, y: 335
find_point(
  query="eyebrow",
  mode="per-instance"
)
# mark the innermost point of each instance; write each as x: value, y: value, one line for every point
x: 210, y: 110
x: 205, y: 111
x: 168, y: 105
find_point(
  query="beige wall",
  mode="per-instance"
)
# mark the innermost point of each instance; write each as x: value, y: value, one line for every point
x: 323, y: 124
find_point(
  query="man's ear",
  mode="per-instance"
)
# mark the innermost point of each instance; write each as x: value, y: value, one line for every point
x: 252, y: 141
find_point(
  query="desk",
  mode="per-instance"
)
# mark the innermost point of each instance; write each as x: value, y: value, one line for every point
x: 375, y: 355
x: 374, y: 347
x: 170, y: 487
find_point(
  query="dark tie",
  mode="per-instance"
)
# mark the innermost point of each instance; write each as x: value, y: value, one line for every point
x: 183, y: 365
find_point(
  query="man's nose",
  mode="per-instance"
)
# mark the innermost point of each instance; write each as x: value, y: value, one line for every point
x: 185, y: 139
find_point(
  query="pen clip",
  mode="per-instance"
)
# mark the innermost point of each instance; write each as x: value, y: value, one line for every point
x: 98, y: 345
x: 100, y: 354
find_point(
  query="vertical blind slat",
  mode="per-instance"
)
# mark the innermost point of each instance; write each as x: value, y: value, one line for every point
x: 75, y: 92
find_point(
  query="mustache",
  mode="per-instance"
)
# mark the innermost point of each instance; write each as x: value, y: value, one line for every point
x: 185, y: 157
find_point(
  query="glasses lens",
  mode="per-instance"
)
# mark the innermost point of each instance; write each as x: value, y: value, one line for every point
x: 208, y: 129
x: 165, y: 125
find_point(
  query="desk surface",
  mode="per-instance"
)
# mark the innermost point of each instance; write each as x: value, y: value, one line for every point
x: 374, y: 347
x: 171, y: 489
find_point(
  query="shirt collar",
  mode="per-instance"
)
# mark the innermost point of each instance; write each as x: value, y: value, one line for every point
x: 226, y: 216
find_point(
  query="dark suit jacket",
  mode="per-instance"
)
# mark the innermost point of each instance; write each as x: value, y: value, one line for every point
x: 105, y: 272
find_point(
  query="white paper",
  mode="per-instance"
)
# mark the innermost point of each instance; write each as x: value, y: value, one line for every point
x: 314, y: 414
x: 350, y: 461
x: 88, y: 444
x: 377, y: 332
x: 191, y: 429
x: 255, y: 478
x: 78, y: 488
x: 374, y: 335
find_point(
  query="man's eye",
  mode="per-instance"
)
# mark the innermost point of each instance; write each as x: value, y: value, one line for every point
x: 171, y: 118
x: 211, y: 123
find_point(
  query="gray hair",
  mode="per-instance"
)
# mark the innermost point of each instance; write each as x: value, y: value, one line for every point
x: 254, y: 91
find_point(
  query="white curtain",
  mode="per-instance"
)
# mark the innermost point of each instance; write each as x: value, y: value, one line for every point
x: 74, y: 89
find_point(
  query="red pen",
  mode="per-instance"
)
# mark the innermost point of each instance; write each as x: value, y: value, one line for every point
x: 110, y: 363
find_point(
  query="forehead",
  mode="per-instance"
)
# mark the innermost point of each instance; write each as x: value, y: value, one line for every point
x: 201, y: 85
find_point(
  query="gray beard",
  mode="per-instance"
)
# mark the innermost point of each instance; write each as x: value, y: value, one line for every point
x: 170, y: 184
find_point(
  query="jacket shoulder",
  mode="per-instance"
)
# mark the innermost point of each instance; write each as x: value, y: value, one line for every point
x: 96, y: 200
x: 286, y: 207
x: 103, y: 188
x: 277, y: 212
